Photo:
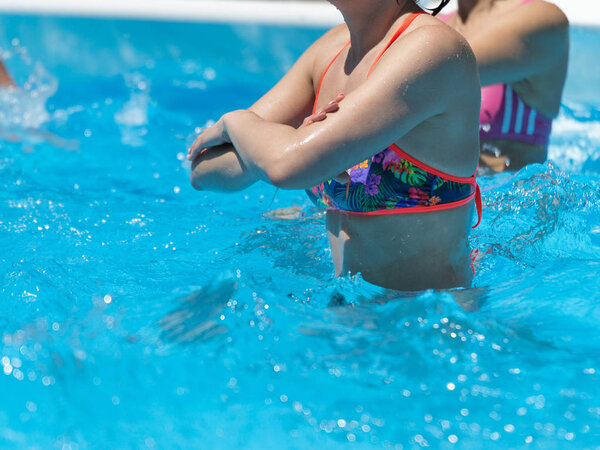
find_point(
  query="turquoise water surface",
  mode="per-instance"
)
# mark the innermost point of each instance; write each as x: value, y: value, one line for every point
x: 137, y: 312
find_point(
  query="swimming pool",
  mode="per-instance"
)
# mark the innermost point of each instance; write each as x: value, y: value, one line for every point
x: 137, y: 312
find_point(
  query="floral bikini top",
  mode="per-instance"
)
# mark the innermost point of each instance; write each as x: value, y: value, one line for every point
x: 394, y: 182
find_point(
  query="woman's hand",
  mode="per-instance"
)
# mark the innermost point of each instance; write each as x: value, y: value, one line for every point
x: 211, y: 137
x: 331, y: 108
x: 217, y: 135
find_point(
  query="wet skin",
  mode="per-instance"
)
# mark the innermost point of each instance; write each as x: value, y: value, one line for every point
x: 390, y: 251
x: 415, y: 105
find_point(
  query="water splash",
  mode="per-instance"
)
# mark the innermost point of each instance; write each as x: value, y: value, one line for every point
x: 136, y: 314
x: 25, y: 108
x: 575, y: 143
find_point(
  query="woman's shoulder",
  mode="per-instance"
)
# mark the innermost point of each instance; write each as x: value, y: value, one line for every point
x: 436, y: 44
x: 542, y: 26
x: 541, y: 15
x: 433, y: 62
x: 548, y: 10
x: 333, y: 39
x: 327, y: 46
x: 338, y: 32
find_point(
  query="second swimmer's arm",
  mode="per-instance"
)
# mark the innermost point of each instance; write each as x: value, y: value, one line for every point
x: 535, y: 40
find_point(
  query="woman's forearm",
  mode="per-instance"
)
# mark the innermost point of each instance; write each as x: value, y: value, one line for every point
x: 246, y: 155
x: 221, y: 169
x: 265, y: 148
x: 279, y: 159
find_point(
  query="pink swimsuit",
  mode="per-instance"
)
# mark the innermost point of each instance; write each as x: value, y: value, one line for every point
x: 504, y: 115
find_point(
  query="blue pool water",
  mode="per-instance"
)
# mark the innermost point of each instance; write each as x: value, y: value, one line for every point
x: 137, y: 312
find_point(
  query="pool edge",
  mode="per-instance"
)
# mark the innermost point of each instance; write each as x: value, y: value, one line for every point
x: 299, y: 13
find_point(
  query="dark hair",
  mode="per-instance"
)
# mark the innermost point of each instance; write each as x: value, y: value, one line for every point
x: 434, y: 11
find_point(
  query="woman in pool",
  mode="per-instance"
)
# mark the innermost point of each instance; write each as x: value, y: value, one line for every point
x: 399, y: 217
x: 522, y: 49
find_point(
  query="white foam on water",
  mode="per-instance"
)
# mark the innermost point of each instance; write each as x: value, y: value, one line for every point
x: 24, y: 107
x: 574, y: 142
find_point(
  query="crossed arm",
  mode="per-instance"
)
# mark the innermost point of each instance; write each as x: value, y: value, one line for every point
x: 391, y: 102
x: 220, y: 168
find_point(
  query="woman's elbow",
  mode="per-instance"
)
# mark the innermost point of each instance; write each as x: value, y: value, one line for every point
x: 195, y: 175
x: 205, y: 178
x: 277, y: 177
x: 283, y: 176
x: 195, y: 182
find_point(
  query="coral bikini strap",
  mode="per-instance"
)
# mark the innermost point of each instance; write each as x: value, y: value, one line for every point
x: 446, y: 176
x: 323, y: 76
x: 396, y: 35
x: 478, y: 203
